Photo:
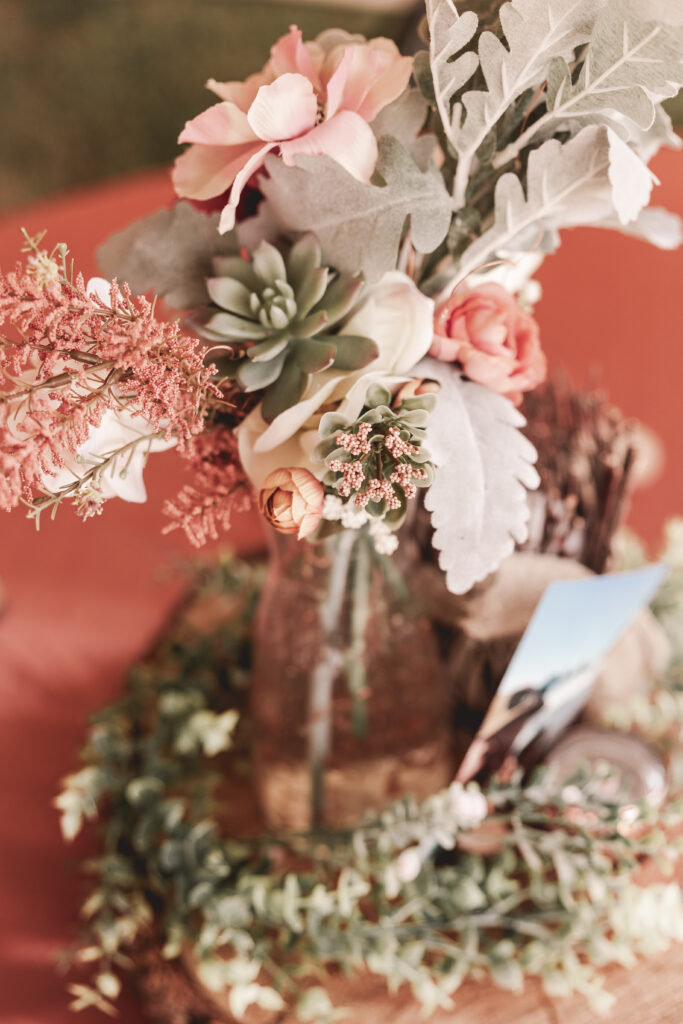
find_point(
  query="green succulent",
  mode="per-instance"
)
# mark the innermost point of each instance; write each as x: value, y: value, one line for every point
x: 382, y: 414
x: 276, y: 312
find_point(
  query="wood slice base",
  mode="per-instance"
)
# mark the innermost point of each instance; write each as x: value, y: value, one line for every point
x: 650, y: 993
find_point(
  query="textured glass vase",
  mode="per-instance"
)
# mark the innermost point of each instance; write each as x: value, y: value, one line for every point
x: 349, y: 704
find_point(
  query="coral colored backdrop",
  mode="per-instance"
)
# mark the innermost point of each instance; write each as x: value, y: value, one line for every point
x: 86, y: 599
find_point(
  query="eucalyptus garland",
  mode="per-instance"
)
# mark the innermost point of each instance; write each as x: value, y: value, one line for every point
x: 526, y: 880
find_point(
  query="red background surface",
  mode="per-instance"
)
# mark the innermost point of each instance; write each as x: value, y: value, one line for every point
x: 86, y: 599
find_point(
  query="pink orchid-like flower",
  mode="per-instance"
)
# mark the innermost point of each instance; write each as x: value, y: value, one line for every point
x: 495, y: 341
x: 315, y: 97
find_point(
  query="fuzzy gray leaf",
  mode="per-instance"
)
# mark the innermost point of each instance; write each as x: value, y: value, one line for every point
x: 583, y: 181
x: 536, y: 33
x: 452, y: 65
x: 403, y: 120
x: 168, y: 252
x: 630, y: 65
x: 485, y: 466
x: 657, y: 226
x: 359, y: 226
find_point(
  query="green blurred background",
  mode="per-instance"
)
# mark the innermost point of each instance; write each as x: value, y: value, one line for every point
x: 93, y: 89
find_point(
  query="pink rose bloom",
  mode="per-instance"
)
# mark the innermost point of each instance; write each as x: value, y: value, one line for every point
x: 315, y: 97
x: 495, y: 341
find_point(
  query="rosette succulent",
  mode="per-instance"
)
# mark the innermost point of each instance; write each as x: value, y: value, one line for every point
x: 276, y: 313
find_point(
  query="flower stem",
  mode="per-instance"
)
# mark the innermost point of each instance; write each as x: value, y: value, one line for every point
x: 356, y: 663
x: 326, y: 671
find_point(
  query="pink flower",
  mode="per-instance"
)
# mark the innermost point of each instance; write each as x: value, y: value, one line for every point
x: 495, y: 341
x: 315, y: 97
x: 291, y: 500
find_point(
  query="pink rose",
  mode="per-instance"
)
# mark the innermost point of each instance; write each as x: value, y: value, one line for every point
x: 316, y: 97
x: 495, y: 341
x: 291, y: 500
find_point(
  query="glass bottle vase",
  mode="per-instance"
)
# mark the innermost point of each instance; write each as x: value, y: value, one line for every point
x: 350, y: 708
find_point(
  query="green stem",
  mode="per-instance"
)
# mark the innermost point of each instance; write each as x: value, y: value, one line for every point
x: 356, y: 674
x: 325, y: 673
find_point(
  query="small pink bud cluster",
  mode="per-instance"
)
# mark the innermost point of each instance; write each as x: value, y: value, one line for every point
x: 353, y: 476
x: 356, y: 444
x: 366, y: 486
x: 404, y: 474
x: 397, y: 447
x: 378, y: 490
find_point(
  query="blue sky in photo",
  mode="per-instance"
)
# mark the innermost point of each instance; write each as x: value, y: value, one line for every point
x: 577, y: 622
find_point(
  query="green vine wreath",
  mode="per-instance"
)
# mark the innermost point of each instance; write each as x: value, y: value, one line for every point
x: 528, y: 881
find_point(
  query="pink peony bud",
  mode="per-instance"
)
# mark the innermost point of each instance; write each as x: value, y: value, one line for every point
x: 291, y: 500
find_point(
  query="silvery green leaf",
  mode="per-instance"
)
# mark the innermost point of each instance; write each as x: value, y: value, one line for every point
x: 582, y: 181
x: 536, y: 33
x: 169, y: 252
x: 452, y: 65
x: 629, y: 67
x: 403, y: 119
x: 648, y: 143
x: 478, y: 499
x: 654, y: 225
x: 360, y: 226
x: 631, y: 179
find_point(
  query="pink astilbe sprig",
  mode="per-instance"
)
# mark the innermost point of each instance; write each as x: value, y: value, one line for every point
x: 220, y: 488
x: 67, y: 358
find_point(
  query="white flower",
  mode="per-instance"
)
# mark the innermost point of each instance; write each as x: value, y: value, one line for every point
x: 383, y: 537
x: 469, y: 806
x: 409, y: 864
x: 122, y: 477
x: 117, y: 429
x: 399, y: 319
x: 352, y: 517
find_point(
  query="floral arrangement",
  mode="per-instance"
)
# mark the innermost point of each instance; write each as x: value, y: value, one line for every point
x: 534, y: 879
x: 353, y: 252
x: 351, y: 261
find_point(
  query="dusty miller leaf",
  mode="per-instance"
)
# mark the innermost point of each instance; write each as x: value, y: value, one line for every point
x: 359, y: 226
x: 478, y: 500
x: 630, y: 65
x: 655, y: 225
x: 536, y: 33
x: 169, y: 252
x: 451, y: 64
x: 578, y: 182
x: 403, y: 120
